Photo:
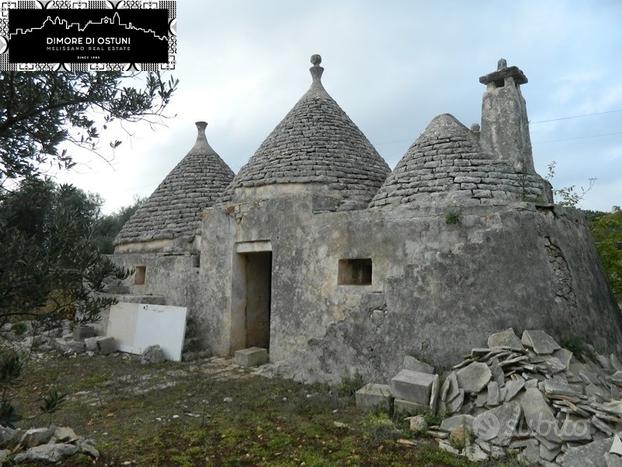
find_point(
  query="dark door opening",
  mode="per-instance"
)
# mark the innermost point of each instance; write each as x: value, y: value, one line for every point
x: 258, y: 298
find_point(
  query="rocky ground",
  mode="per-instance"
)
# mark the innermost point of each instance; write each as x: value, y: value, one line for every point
x: 212, y: 412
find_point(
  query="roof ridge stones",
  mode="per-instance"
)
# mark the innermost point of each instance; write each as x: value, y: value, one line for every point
x: 173, y: 209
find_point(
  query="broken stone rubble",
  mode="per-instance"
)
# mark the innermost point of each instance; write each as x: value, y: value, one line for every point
x: 531, y: 398
x: 49, y: 445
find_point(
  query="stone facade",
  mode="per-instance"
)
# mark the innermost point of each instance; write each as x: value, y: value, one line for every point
x: 318, y: 256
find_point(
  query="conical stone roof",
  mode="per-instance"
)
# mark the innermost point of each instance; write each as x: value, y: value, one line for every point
x: 447, y: 165
x: 316, y: 144
x: 173, y: 209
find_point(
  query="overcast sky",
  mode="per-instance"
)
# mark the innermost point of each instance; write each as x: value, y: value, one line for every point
x: 392, y: 66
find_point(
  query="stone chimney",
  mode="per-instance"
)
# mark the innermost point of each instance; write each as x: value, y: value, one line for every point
x: 505, y: 127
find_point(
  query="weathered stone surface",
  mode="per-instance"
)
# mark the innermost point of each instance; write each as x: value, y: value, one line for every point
x: 616, y: 446
x: 411, y: 363
x: 36, y: 436
x: 4, y: 456
x: 513, y: 387
x: 613, y: 460
x: 588, y: 455
x: 531, y: 453
x: 372, y: 396
x: 81, y: 332
x: 412, y: 386
x: 91, y: 344
x: 456, y: 403
x: 106, y: 345
x: 451, y: 423
x: 418, y: 424
x: 540, y: 342
x: 173, y: 209
x: 538, y: 414
x: 8, y: 437
x: 47, y: 453
x: 64, y: 434
x: 575, y: 429
x: 492, y: 394
x: 153, y: 354
x: 450, y: 388
x: 551, y: 387
x: 87, y: 446
x: 475, y: 454
x: 474, y: 377
x: 615, y: 362
x: 498, y: 425
x: 506, y: 339
x: 253, y: 356
x: 401, y: 406
x: 549, y: 453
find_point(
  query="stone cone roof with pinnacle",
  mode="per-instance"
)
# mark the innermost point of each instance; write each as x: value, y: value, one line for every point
x: 446, y: 164
x: 173, y: 210
x: 316, y: 143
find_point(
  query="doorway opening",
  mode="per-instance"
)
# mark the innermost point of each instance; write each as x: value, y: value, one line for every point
x: 257, y: 277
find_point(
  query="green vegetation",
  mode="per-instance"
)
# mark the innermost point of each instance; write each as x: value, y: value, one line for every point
x: 152, y: 416
x: 43, y: 110
x: 349, y: 386
x: 453, y: 218
x: 49, y: 266
x: 607, y: 232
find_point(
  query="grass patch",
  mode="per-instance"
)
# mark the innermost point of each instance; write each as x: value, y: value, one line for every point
x: 349, y: 385
x: 453, y: 218
x: 123, y: 406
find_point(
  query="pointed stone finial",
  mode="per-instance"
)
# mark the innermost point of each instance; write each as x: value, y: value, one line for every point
x: 502, y: 63
x: 316, y: 69
x: 201, y: 127
x: 201, y: 145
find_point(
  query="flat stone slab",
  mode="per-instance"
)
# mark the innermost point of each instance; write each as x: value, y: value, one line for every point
x: 538, y: 415
x: 540, y: 342
x: 589, y: 455
x: 411, y: 363
x: 507, y: 339
x: 474, y: 377
x: 253, y: 356
x: 408, y: 408
x: 372, y: 396
x: 412, y: 386
x: 513, y: 387
x: 575, y: 429
x: 564, y: 356
x: 498, y: 425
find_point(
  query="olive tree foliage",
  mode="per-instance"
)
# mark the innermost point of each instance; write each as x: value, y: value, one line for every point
x: 41, y: 111
x: 50, y: 268
x: 607, y: 232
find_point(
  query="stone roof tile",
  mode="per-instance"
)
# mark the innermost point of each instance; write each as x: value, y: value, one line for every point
x: 173, y: 210
x: 317, y: 143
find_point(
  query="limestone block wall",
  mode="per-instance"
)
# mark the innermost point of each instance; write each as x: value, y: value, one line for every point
x: 437, y: 289
x: 173, y: 277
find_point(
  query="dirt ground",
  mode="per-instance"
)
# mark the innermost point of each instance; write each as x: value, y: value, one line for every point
x: 211, y: 412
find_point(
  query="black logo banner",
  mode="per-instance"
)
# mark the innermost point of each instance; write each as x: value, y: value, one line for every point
x: 89, y: 38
